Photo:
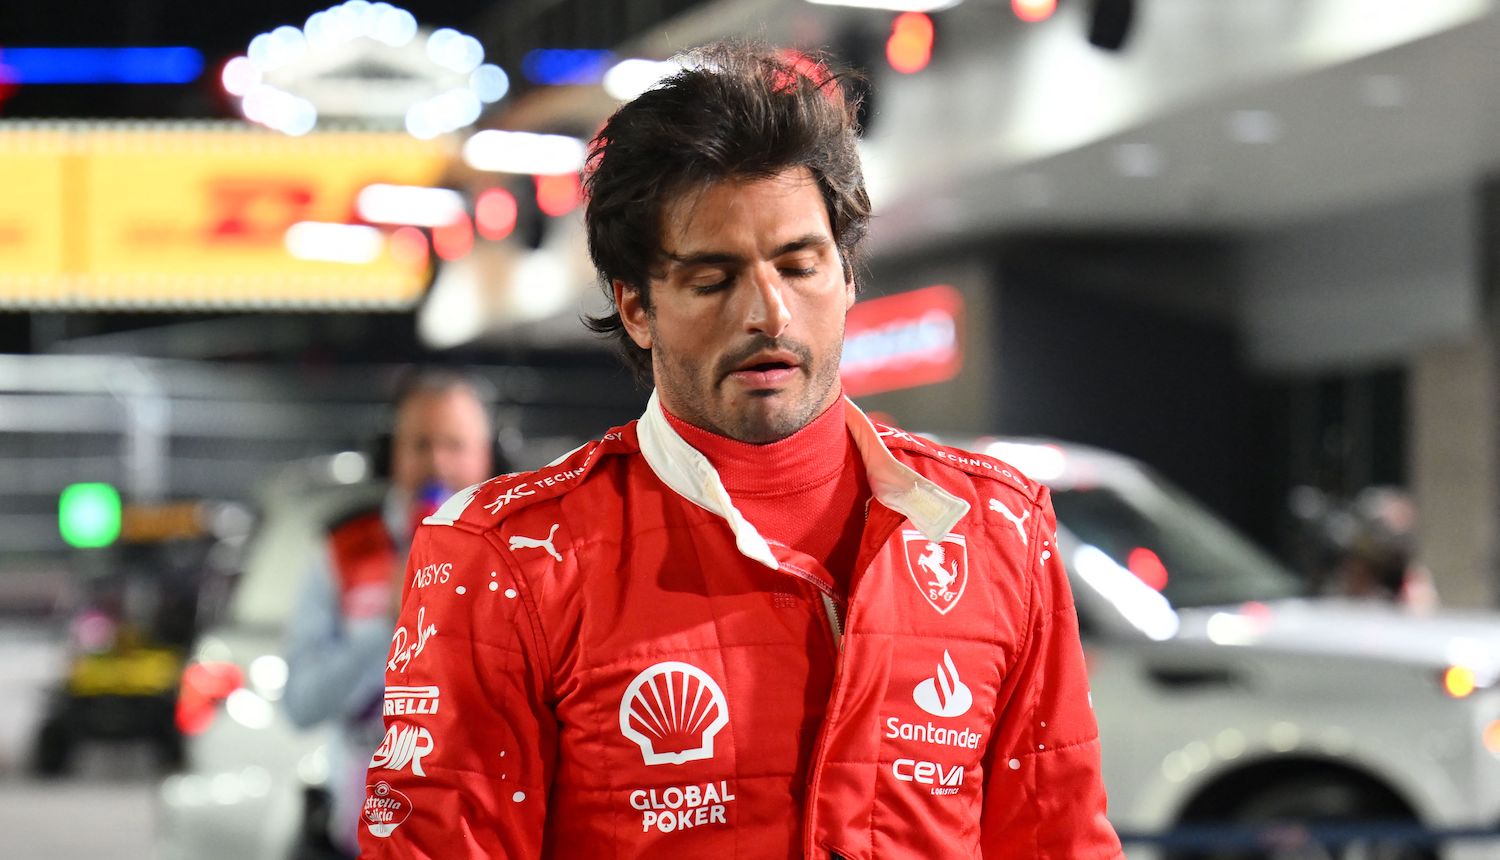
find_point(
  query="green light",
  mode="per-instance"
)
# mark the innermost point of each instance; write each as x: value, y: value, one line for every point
x: 88, y: 515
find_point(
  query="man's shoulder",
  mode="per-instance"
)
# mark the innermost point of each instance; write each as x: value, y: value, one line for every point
x: 486, y: 505
x: 949, y: 466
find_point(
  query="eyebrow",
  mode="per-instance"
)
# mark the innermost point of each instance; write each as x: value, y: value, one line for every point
x: 712, y: 258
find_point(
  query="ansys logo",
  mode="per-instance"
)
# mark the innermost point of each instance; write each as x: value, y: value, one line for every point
x: 673, y: 711
x: 945, y: 694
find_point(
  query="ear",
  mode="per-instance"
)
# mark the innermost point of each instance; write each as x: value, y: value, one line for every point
x: 633, y: 314
x: 851, y: 292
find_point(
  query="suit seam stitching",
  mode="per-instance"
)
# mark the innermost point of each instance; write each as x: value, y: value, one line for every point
x: 533, y: 610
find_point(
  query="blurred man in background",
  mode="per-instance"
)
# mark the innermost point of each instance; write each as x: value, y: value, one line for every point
x: 751, y: 624
x: 1373, y: 540
x: 341, y: 629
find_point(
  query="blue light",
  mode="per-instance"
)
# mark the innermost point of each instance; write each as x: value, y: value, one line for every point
x: 100, y: 65
x: 561, y: 66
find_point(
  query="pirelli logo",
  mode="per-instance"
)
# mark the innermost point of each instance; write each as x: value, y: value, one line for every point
x: 408, y: 701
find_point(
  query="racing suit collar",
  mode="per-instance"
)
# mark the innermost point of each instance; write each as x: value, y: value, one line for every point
x: 933, y: 510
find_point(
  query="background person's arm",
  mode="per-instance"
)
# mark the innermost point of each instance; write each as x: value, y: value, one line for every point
x: 335, y: 666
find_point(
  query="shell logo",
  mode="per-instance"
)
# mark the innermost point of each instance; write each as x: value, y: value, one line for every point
x: 672, y: 711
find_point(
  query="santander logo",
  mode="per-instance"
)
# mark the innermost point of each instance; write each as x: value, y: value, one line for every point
x: 672, y: 711
x: 945, y: 695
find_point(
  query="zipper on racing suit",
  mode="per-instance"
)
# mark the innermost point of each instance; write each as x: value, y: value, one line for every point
x: 887, y: 524
x: 835, y: 623
x: 835, y: 626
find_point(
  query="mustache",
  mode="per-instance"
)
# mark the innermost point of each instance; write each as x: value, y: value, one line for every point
x: 731, y: 362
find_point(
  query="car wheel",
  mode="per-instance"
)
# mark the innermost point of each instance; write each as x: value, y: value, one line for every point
x: 170, y: 752
x: 54, y: 749
x: 1312, y: 798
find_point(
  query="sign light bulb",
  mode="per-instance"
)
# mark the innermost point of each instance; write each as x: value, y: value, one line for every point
x: 88, y: 515
x: 909, y: 48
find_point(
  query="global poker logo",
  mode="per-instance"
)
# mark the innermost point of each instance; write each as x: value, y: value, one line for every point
x: 673, y: 711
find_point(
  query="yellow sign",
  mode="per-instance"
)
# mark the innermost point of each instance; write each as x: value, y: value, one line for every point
x: 157, y: 216
x: 138, y: 672
x: 163, y: 522
x: 32, y: 202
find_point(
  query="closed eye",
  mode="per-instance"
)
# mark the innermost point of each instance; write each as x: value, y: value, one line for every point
x: 710, y: 289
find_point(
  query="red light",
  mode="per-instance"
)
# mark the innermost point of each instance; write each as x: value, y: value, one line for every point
x: 495, y: 213
x: 557, y: 195
x: 1032, y: 11
x: 910, y: 47
x: 803, y: 65
x: 409, y: 247
x: 1147, y: 566
x: 1257, y: 610
x: 204, y: 686
x: 455, y: 240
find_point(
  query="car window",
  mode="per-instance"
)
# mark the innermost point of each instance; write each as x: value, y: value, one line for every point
x: 1171, y: 542
x: 278, y: 558
x: 287, y: 546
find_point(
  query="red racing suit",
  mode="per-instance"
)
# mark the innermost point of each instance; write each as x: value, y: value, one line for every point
x: 604, y: 659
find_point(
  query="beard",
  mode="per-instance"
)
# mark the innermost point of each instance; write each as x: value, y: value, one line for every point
x: 700, y: 395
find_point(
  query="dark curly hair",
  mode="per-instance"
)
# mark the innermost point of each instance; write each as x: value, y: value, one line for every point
x: 736, y: 110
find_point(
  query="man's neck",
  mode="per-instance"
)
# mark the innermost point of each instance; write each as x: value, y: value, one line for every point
x: 812, y: 455
x: 806, y: 491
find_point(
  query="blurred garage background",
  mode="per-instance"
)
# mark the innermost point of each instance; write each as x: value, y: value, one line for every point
x: 1244, y: 248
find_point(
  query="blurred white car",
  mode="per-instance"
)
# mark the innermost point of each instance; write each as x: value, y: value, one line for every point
x: 249, y: 773
x: 1222, y: 694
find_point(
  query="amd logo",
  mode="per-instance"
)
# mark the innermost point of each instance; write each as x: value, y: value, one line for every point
x: 946, y: 779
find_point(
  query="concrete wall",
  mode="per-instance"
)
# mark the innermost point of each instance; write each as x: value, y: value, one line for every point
x: 1456, y: 476
x: 1362, y: 287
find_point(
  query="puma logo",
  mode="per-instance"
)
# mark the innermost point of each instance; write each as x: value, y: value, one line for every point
x: 523, y: 542
x: 1019, y: 522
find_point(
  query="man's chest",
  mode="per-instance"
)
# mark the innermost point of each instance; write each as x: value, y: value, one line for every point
x: 686, y: 670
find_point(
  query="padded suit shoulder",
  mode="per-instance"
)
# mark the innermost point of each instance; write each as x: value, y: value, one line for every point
x: 484, y: 506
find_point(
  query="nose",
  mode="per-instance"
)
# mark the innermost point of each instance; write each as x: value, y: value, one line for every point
x: 768, y: 314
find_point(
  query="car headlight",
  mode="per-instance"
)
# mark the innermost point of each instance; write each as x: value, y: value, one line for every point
x: 1460, y: 681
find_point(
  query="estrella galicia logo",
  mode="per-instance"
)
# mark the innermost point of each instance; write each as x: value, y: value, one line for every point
x: 385, y: 809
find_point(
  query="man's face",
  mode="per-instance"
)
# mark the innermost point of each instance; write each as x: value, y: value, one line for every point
x: 747, y: 319
x: 441, y: 437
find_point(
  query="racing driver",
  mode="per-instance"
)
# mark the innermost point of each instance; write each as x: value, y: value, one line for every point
x: 751, y: 623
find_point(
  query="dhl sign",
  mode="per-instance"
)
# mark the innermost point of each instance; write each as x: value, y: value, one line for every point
x: 160, y: 216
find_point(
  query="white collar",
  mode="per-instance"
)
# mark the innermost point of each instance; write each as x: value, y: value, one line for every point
x: 929, y: 507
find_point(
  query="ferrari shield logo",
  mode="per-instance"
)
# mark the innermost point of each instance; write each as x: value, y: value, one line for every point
x: 939, y: 569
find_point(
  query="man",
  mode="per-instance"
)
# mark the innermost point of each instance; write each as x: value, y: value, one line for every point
x: 751, y: 624
x: 341, y: 628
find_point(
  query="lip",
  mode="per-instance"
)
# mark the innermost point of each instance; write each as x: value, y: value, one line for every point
x: 749, y: 376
